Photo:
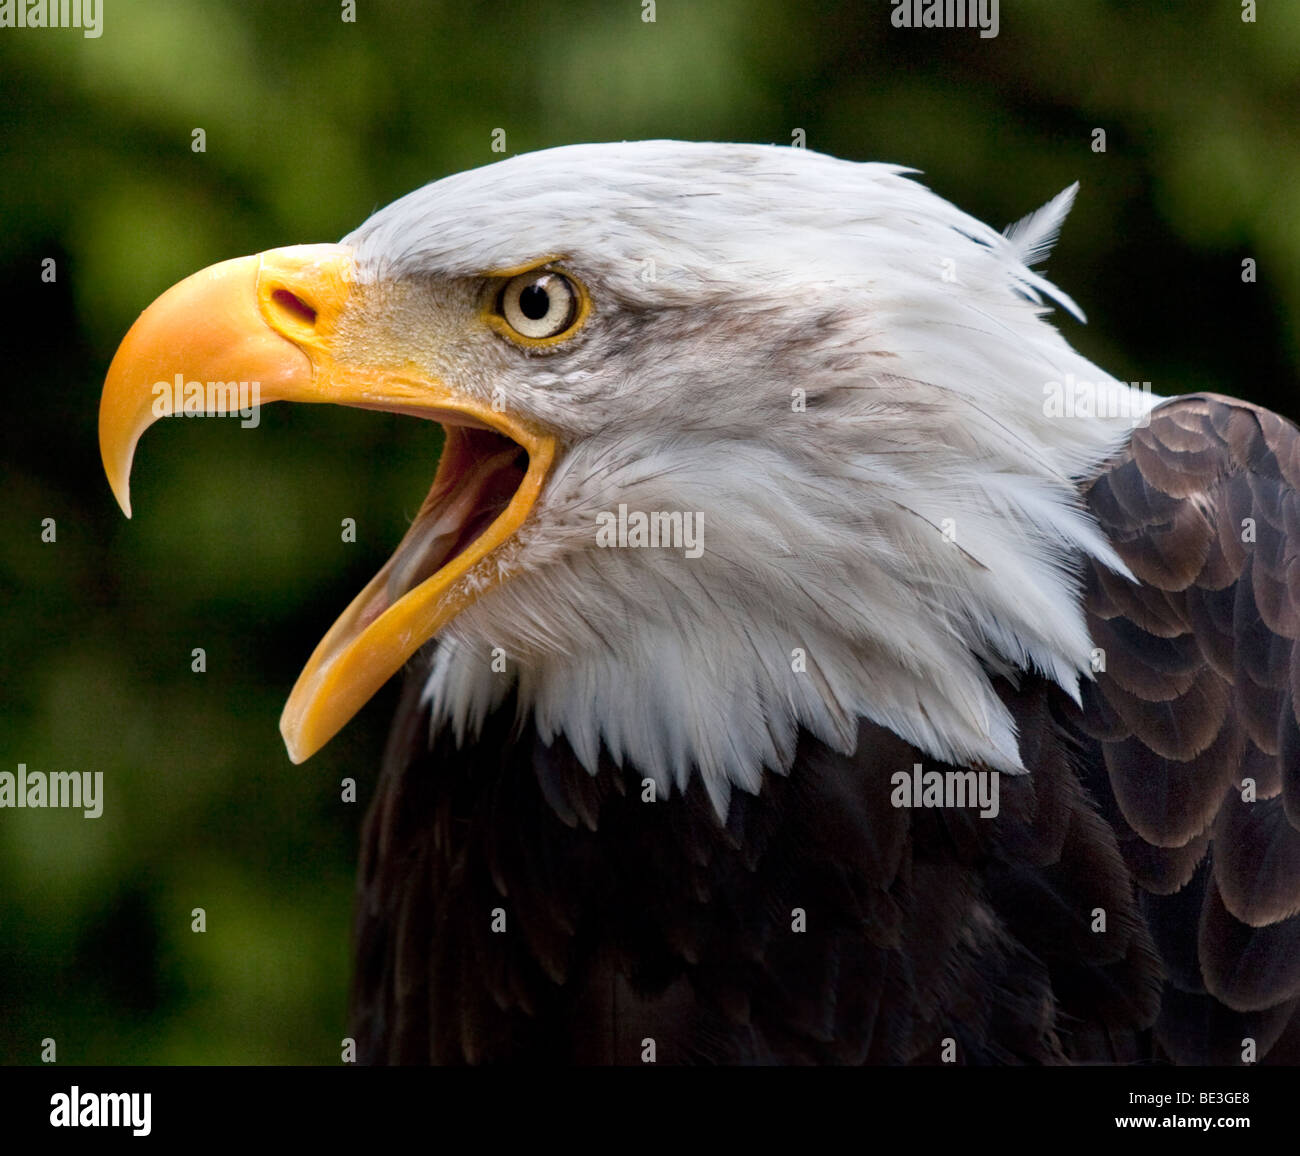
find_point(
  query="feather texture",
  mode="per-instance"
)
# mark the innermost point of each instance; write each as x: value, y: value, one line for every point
x: 657, y: 921
x: 1031, y: 239
x: 1192, y: 717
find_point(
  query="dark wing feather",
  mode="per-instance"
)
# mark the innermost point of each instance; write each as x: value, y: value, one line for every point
x: 1199, y: 693
x: 629, y: 920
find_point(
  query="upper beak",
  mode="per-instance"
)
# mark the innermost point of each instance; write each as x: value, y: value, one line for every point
x: 268, y: 320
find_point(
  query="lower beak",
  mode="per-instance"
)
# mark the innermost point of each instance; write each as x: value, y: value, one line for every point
x: 265, y: 324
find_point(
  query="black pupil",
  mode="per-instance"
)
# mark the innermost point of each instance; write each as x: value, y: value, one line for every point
x: 534, y: 302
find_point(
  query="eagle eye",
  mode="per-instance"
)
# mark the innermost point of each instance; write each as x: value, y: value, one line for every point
x: 539, y: 305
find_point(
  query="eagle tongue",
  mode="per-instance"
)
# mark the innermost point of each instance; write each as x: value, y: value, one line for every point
x: 452, y: 517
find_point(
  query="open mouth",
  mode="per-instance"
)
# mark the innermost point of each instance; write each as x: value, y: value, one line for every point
x: 274, y: 317
x: 489, y: 476
x: 479, y: 473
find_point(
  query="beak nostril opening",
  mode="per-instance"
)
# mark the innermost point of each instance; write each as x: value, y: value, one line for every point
x: 294, y: 306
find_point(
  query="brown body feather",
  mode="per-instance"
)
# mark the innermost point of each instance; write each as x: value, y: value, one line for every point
x: 1199, y: 694
x: 627, y: 920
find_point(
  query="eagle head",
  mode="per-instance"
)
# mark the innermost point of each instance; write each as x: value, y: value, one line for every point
x: 739, y: 439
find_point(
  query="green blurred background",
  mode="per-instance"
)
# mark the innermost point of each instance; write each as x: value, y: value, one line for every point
x: 311, y: 124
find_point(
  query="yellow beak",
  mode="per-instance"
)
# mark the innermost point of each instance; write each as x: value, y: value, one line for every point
x: 268, y: 321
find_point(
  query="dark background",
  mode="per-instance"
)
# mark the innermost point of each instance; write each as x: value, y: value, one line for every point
x: 311, y: 124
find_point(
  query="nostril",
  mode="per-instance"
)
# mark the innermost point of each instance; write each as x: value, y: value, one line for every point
x: 295, y: 306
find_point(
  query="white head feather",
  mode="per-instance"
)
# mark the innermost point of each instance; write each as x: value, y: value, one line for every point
x: 917, y: 337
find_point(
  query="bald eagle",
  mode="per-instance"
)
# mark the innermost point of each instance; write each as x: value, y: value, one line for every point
x: 810, y: 656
